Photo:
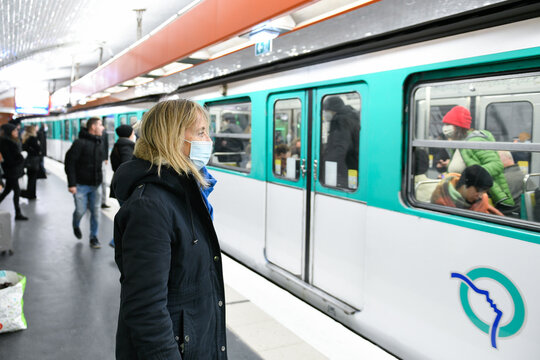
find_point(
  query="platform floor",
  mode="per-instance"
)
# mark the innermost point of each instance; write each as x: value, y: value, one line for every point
x: 72, y: 295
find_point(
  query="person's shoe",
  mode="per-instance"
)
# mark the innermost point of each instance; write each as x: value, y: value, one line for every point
x: 105, y: 206
x: 77, y: 232
x: 20, y: 216
x: 111, y: 243
x: 94, y: 243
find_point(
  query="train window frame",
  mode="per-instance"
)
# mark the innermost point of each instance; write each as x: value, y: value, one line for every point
x: 410, y: 113
x: 243, y: 136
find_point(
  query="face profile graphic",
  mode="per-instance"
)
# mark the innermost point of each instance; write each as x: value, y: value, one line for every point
x: 504, y: 322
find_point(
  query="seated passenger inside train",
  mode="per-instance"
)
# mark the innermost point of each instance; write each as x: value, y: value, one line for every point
x: 514, y: 177
x: 457, y: 126
x: 466, y: 191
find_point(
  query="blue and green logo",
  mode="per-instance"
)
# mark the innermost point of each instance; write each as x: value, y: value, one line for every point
x: 494, y: 330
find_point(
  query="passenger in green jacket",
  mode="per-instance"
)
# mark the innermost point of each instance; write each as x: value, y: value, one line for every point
x: 457, y: 126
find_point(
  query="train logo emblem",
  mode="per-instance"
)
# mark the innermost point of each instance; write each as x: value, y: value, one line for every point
x: 514, y: 316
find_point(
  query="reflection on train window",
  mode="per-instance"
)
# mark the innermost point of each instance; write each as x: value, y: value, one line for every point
x: 108, y: 123
x: 340, y: 134
x: 74, y: 129
x: 485, y: 122
x: 287, y: 140
x: 66, y: 130
x: 230, y: 130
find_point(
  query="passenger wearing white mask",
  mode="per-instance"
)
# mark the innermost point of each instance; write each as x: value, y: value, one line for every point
x: 172, y: 303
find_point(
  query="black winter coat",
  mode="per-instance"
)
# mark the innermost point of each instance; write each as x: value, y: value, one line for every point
x: 31, y: 146
x: 172, y: 303
x: 343, y: 143
x: 83, y: 160
x: 122, y: 151
x: 13, y: 164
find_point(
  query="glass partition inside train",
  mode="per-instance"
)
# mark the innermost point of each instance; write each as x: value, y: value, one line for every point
x: 488, y: 122
x: 230, y: 130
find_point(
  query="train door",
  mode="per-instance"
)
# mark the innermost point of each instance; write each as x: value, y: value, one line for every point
x: 315, y: 197
x: 286, y: 190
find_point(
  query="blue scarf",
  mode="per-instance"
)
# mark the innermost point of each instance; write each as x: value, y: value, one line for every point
x: 205, y: 191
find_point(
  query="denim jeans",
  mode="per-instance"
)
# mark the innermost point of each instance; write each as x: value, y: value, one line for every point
x: 87, y: 197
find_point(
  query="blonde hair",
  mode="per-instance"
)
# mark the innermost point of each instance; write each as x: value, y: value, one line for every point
x: 30, y: 130
x: 162, y: 133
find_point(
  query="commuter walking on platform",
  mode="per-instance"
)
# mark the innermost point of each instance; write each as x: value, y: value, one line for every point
x: 31, y: 146
x: 13, y: 166
x: 172, y: 302
x: 122, y: 151
x: 83, y: 169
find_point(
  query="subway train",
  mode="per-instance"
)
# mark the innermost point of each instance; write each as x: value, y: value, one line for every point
x: 348, y: 234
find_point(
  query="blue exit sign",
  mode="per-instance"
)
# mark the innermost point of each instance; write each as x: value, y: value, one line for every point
x: 263, y: 47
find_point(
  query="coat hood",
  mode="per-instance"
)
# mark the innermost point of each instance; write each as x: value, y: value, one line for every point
x: 135, y: 172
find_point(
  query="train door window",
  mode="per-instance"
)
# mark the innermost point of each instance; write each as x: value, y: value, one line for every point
x: 340, y: 134
x: 49, y: 130
x: 74, y: 129
x: 287, y: 139
x: 123, y: 119
x: 230, y: 130
x: 133, y: 120
x: 108, y: 123
x: 66, y: 130
x: 496, y: 131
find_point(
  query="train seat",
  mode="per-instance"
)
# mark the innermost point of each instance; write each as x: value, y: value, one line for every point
x: 424, y: 189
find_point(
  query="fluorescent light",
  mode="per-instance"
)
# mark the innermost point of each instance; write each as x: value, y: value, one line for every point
x: 116, y: 89
x: 170, y: 69
x: 263, y: 35
x: 100, y: 95
x: 137, y: 81
x: 201, y: 54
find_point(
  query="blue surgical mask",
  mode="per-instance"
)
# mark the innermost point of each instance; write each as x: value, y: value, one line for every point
x: 200, y: 153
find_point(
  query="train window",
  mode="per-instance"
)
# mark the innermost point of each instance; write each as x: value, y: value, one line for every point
x: 66, y: 130
x: 133, y: 120
x: 230, y: 130
x: 108, y: 123
x: 340, y: 135
x: 482, y: 154
x: 74, y: 129
x: 287, y: 141
x: 123, y: 119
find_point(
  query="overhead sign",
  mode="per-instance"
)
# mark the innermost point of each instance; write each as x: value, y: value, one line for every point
x: 32, y: 101
x: 263, y: 47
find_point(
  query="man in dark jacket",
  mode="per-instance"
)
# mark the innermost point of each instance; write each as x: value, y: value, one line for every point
x: 343, y: 143
x: 13, y: 166
x: 172, y: 300
x: 83, y: 169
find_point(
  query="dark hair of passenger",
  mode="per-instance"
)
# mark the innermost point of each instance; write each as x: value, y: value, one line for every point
x: 421, y: 162
x: 477, y: 176
x: 91, y: 122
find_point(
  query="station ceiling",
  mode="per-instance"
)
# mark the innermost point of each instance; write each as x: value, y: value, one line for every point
x: 45, y: 42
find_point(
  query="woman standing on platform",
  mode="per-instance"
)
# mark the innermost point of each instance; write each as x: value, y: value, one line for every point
x: 31, y: 146
x: 172, y: 303
x: 13, y: 166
